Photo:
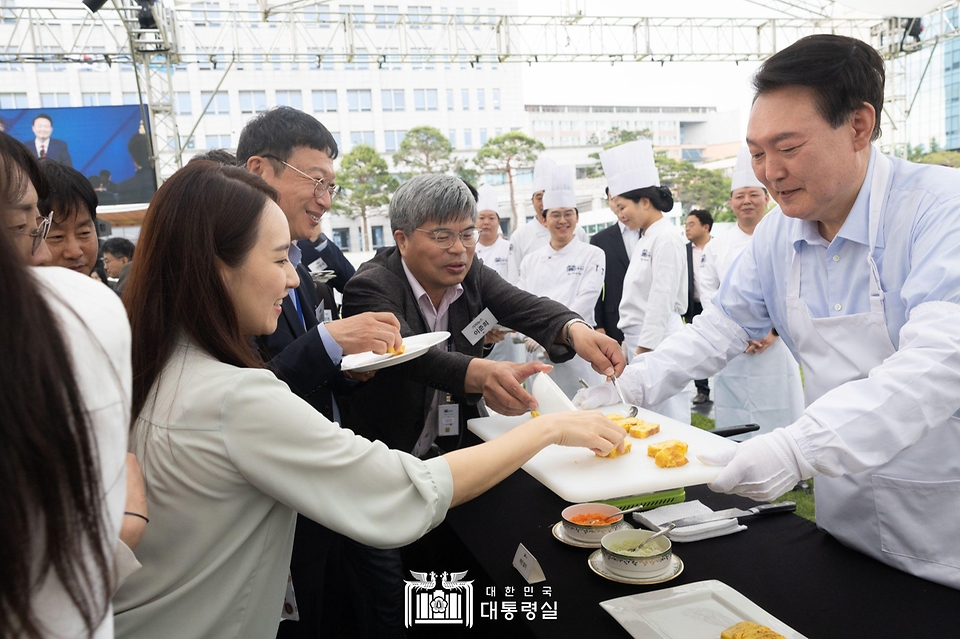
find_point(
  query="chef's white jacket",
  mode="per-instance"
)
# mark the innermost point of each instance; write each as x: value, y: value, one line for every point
x: 496, y: 256
x: 531, y: 237
x: 655, y: 285
x: 572, y: 276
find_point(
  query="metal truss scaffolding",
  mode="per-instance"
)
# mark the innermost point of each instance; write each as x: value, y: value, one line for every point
x: 310, y: 32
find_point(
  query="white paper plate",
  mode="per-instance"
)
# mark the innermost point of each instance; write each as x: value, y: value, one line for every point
x: 416, y: 345
x: 700, y: 610
x: 550, y: 398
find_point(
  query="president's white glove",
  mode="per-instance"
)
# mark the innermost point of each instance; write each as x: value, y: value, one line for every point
x: 763, y: 467
x: 596, y: 396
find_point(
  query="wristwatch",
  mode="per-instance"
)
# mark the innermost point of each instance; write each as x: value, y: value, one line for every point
x: 566, y: 330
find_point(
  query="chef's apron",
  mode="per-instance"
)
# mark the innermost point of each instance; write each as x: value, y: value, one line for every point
x: 905, y: 513
x: 762, y: 389
x: 678, y: 406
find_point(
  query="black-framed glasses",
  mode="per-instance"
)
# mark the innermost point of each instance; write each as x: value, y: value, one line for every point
x: 556, y: 215
x: 320, y: 184
x: 445, y: 238
x: 38, y: 234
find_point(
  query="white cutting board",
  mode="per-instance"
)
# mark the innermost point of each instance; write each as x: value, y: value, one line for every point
x: 577, y: 475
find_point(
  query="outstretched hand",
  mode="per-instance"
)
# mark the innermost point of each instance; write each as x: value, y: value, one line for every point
x: 589, y: 429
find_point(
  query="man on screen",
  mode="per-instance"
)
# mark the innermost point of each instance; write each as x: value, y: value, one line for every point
x: 44, y: 145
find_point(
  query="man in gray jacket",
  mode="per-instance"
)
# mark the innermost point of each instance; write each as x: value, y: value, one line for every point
x: 430, y: 283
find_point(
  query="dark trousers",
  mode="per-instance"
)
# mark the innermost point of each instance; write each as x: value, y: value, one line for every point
x: 702, y: 385
x: 343, y: 588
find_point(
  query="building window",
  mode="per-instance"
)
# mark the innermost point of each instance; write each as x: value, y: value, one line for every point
x: 336, y: 138
x: 465, y: 99
x: 468, y: 138
x: 452, y: 136
x: 425, y: 99
x: 393, y: 100
x: 496, y: 99
x: 361, y: 137
x: 220, y: 105
x: 325, y: 101
x: 384, y: 16
x: 54, y: 100
x: 359, y: 100
x: 182, y: 103
x: 95, y: 99
x: 481, y: 99
x: 360, y: 61
x: 341, y: 237
x: 218, y: 141
x: 419, y: 17
x: 290, y: 98
x: 254, y: 101
x: 377, y: 239
x: 497, y: 132
x: 131, y: 98
x: 318, y: 13
x: 391, y: 60
x: 13, y: 101
x: 356, y: 14
x: 393, y: 139
x: 483, y: 137
x: 449, y: 99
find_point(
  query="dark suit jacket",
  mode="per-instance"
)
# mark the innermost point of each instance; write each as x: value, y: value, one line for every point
x: 607, y: 312
x: 296, y: 354
x: 393, y: 406
x: 137, y: 189
x: 56, y: 150
x: 334, y: 258
x: 694, y: 307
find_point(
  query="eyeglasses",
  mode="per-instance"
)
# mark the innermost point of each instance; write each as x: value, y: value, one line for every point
x: 556, y: 215
x: 446, y: 238
x: 38, y: 234
x: 320, y: 183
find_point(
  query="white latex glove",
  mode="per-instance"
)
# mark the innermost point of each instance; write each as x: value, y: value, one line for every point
x: 596, y: 396
x: 532, y: 345
x: 762, y: 468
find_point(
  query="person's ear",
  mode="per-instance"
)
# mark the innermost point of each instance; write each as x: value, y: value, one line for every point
x: 862, y: 121
x: 401, y: 239
x: 257, y: 164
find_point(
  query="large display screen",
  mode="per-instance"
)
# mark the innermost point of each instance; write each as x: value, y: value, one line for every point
x: 108, y: 144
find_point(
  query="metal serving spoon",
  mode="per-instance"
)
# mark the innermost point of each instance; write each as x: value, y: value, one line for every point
x: 632, y: 410
x: 667, y: 528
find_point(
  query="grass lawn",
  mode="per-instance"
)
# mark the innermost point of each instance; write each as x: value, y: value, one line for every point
x: 805, y: 504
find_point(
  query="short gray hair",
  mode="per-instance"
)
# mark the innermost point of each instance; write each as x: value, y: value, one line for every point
x: 431, y: 197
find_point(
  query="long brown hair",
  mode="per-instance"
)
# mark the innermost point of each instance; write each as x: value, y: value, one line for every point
x: 52, y: 496
x: 205, y: 215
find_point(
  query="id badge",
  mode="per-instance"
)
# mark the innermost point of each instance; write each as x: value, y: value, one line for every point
x: 448, y: 418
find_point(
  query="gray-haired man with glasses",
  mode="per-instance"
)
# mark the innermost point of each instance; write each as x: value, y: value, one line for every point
x: 431, y: 283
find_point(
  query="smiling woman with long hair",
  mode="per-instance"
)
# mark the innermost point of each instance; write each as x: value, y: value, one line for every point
x: 230, y: 454
x: 64, y: 410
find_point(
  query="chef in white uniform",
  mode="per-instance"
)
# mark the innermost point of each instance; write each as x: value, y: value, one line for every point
x: 763, y: 385
x: 494, y: 250
x: 534, y: 235
x: 655, y: 286
x: 566, y: 270
x: 859, y: 271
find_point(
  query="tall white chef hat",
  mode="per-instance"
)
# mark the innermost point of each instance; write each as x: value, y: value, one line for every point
x: 743, y: 174
x: 487, y: 199
x: 560, y: 194
x: 629, y: 167
x: 541, y: 174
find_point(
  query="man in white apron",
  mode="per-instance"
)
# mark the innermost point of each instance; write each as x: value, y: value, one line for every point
x: 762, y: 386
x: 859, y: 272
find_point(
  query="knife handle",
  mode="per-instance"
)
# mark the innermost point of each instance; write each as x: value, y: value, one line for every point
x: 770, y: 509
x: 735, y: 430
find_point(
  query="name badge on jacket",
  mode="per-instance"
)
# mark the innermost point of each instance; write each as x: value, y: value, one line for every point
x: 480, y: 326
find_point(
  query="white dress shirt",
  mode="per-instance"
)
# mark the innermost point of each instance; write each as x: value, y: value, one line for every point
x: 630, y: 238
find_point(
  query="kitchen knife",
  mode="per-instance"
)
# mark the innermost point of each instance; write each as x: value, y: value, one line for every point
x: 729, y: 513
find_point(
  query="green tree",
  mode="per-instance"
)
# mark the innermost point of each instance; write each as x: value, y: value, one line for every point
x: 615, y: 138
x: 505, y: 154
x: 367, y: 185
x: 943, y: 158
x: 424, y: 150
x: 696, y: 187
